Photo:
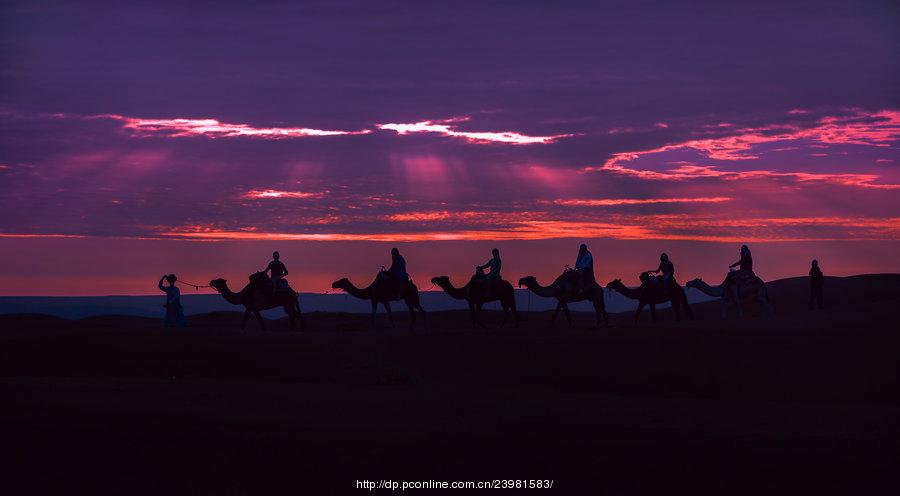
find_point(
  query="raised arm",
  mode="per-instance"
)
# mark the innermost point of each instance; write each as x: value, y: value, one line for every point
x: 161, y: 288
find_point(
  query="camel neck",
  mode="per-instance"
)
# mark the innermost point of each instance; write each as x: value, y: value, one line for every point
x: 453, y: 291
x: 361, y: 293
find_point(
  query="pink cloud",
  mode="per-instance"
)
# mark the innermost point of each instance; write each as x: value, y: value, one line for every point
x: 635, y: 201
x: 445, y: 128
x: 271, y: 193
x: 688, y: 172
x: 860, y: 128
x: 212, y: 128
x: 870, y: 129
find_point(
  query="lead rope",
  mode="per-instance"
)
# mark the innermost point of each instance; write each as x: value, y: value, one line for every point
x: 195, y: 286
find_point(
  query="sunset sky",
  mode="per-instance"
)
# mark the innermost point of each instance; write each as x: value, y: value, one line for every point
x: 137, y: 140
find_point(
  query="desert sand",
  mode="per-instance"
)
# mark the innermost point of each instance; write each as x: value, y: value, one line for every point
x: 804, y: 403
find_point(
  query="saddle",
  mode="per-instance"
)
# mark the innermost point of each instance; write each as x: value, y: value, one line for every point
x: 262, y: 282
x: 395, y: 285
x: 740, y: 277
x: 578, y: 281
x: 480, y: 284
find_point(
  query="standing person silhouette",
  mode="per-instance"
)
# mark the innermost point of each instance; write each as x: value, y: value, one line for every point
x: 816, y: 284
x: 277, y: 269
x: 494, y: 274
x: 584, y: 266
x: 667, y: 268
x: 174, y: 310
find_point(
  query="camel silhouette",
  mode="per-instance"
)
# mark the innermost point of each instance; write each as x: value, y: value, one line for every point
x: 475, y: 297
x: 384, y: 291
x: 732, y: 294
x: 254, y: 297
x: 651, y: 293
x: 564, y: 291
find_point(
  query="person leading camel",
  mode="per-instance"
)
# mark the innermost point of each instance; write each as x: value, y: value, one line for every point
x: 667, y: 269
x: 816, y: 284
x: 277, y: 270
x: 584, y: 267
x: 174, y: 310
x: 493, y: 274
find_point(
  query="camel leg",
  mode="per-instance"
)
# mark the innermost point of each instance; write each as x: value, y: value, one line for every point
x: 687, y: 308
x: 568, y: 316
x: 472, y: 313
x: 676, y: 307
x: 601, y: 305
x: 412, y: 315
x: 505, y: 314
x: 387, y: 308
x: 511, y: 304
x: 555, y: 313
x: 424, y: 315
x: 259, y: 319
x: 653, y: 312
x: 598, y: 311
x: 374, y: 310
x: 288, y: 309
x: 763, y: 300
x: 244, y: 320
x: 478, y: 307
x: 638, y: 312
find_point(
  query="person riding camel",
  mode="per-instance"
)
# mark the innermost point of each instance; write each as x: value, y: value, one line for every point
x: 746, y: 261
x: 493, y: 276
x: 278, y: 271
x: 744, y: 265
x: 397, y: 271
x: 584, y: 267
x: 667, y: 269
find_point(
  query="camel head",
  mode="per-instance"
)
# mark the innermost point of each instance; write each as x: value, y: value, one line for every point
x: 217, y: 284
x: 527, y: 281
x: 342, y: 283
x: 439, y: 280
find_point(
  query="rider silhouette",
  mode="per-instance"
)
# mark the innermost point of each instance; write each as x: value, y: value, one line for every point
x: 398, y: 267
x: 494, y: 274
x: 277, y: 269
x: 667, y: 268
x: 746, y: 261
x: 584, y: 266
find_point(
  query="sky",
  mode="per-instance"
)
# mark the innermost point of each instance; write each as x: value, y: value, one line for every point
x: 138, y: 139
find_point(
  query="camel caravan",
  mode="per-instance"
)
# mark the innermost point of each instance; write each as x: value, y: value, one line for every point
x: 268, y: 289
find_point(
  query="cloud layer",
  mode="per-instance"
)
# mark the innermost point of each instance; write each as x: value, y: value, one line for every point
x: 322, y: 122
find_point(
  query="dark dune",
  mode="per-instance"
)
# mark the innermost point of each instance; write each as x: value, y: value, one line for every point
x: 805, y: 403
